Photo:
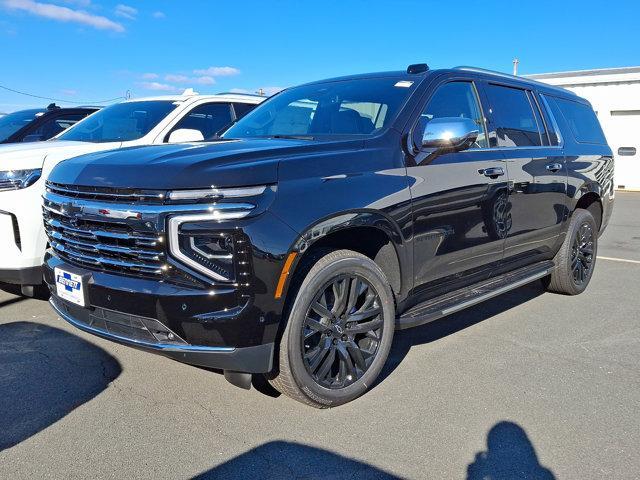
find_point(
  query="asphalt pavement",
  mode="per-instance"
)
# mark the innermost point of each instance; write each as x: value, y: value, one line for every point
x: 527, y: 385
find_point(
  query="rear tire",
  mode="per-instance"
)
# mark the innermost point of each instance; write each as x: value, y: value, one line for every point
x: 339, y: 331
x: 576, y: 259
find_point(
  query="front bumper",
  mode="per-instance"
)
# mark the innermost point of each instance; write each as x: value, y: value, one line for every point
x: 186, y: 324
x: 256, y: 359
x: 22, y: 276
x: 22, y: 237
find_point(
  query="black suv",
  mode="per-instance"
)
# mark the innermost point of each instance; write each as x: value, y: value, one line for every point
x: 330, y: 216
x: 36, y: 125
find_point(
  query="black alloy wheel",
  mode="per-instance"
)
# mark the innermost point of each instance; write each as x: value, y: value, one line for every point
x: 342, y: 331
x: 576, y: 259
x: 582, y: 254
x: 339, y: 329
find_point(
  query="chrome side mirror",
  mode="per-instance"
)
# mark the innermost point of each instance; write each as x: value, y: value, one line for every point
x: 450, y: 134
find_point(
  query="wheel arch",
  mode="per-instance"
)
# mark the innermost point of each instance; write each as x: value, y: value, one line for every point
x: 589, y: 197
x: 370, y: 233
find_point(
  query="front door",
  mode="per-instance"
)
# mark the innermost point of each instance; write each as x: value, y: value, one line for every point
x: 459, y: 200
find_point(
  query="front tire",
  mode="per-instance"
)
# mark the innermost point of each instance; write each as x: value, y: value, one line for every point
x: 576, y: 259
x: 339, y: 331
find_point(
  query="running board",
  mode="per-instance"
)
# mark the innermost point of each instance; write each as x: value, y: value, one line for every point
x: 465, y: 297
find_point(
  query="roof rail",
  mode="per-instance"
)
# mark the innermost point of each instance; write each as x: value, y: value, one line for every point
x: 512, y: 77
x: 243, y: 94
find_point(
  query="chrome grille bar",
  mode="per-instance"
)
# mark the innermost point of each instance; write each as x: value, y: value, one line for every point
x: 125, y: 235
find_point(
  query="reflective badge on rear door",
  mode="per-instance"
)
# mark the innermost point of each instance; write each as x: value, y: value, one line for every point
x: 69, y: 286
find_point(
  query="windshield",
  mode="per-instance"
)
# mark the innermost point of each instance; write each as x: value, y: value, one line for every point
x: 120, y: 123
x: 350, y: 107
x: 11, y: 123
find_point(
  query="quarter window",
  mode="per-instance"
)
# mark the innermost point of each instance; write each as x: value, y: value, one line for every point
x: 456, y: 99
x: 515, y: 123
x: 582, y: 121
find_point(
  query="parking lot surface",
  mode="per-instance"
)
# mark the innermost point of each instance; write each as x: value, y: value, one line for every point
x: 527, y: 385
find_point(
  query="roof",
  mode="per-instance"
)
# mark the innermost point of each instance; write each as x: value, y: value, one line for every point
x: 361, y: 76
x: 220, y: 96
x: 403, y: 75
x: 522, y: 80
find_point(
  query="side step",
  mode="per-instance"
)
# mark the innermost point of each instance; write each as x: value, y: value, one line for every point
x: 465, y: 297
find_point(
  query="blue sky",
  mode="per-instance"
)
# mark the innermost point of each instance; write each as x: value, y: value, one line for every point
x: 90, y: 50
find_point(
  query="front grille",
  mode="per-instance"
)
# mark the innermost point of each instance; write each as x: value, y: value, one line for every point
x: 126, y: 245
x: 107, y: 194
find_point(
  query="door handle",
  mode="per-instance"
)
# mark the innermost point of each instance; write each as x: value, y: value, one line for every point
x: 492, y: 172
x: 554, y: 167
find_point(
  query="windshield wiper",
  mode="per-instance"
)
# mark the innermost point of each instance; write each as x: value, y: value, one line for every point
x: 293, y: 137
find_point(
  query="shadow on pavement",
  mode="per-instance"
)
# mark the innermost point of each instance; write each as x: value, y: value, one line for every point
x: 405, y: 339
x: 45, y: 373
x: 11, y: 301
x: 286, y: 460
x: 509, y: 455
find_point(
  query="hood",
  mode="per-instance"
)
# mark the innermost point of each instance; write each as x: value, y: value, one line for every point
x: 32, y: 155
x: 183, y: 166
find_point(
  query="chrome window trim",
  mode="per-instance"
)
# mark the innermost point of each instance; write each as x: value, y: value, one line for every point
x: 502, y: 149
x: 173, y: 229
x: 552, y: 117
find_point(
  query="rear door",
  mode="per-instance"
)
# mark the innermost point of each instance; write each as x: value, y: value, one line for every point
x: 459, y: 200
x: 537, y: 202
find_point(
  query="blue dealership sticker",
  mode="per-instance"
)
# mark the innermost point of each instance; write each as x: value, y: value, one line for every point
x: 69, y: 286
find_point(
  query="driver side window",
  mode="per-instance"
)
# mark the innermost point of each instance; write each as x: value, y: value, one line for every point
x: 456, y: 99
x: 208, y: 119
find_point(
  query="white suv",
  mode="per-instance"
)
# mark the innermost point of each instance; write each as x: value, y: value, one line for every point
x: 24, y: 167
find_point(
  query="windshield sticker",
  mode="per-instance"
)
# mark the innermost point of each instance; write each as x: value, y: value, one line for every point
x: 403, y: 84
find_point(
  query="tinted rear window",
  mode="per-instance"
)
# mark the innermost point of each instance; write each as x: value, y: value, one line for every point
x: 582, y: 121
x: 516, y: 123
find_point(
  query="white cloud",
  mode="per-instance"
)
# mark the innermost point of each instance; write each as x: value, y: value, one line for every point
x: 184, y: 79
x: 204, y: 80
x: 158, y: 15
x: 218, y: 71
x: 162, y: 87
x: 78, y: 3
x: 150, y: 76
x: 172, y: 78
x: 69, y: 92
x: 64, y: 14
x: 125, y: 11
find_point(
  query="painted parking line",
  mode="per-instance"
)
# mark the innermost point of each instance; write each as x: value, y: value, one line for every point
x: 613, y: 259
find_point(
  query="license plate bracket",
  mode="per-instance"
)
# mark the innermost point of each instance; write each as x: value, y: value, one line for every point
x: 71, y: 285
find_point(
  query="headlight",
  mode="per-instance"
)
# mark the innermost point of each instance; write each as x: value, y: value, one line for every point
x: 211, y: 253
x: 17, y: 179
